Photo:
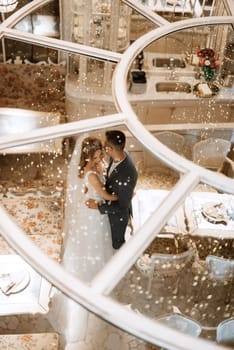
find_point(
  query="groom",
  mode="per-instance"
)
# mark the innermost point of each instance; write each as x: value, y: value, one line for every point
x: 121, y: 180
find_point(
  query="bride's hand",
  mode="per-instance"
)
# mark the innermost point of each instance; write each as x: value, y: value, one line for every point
x: 91, y: 203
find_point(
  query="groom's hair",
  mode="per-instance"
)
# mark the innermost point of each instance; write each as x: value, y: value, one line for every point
x: 116, y: 138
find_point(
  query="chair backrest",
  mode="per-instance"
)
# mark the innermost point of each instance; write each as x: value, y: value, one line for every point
x: 219, y: 268
x: 227, y: 168
x: 225, y: 332
x: 172, y: 140
x: 181, y: 323
x: 171, y: 264
x: 211, y: 153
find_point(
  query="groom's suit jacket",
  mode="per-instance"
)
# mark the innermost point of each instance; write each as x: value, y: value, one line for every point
x: 122, y: 182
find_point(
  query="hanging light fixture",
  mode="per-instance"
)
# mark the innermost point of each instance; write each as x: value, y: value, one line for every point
x: 7, y: 5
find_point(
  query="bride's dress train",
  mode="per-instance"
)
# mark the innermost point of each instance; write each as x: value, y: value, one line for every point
x: 87, y: 247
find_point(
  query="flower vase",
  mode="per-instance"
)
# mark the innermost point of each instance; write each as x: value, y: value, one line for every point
x: 209, y: 73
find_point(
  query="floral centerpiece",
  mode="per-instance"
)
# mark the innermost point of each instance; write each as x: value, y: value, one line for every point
x: 208, y: 63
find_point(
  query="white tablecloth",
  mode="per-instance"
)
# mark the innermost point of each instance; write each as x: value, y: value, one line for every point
x: 203, y: 227
x: 146, y: 201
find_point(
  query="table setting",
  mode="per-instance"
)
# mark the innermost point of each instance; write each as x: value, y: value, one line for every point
x: 22, y: 289
x: 202, y: 213
x: 210, y: 214
x: 14, y: 281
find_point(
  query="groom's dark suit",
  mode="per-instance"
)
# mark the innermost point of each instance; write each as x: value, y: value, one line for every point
x: 122, y: 182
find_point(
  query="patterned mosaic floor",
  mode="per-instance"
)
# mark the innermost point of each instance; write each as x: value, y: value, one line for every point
x: 47, y: 341
x: 40, y: 218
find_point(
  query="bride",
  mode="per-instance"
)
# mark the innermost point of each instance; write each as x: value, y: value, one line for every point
x: 87, y: 242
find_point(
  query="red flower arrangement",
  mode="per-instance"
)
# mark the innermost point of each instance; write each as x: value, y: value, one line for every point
x: 208, y: 63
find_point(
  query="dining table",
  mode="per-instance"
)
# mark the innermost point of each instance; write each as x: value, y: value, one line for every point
x: 206, y: 214
x: 22, y: 289
x: 17, y: 121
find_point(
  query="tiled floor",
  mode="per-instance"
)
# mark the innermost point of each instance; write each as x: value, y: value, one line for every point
x: 40, y: 217
x: 37, y: 206
x: 47, y: 341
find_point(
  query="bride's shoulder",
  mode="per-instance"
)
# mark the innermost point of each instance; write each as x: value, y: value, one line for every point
x: 90, y: 173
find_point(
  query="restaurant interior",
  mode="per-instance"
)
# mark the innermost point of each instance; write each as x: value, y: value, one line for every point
x: 162, y: 71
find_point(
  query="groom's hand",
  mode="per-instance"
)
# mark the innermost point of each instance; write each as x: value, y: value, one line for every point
x: 92, y: 203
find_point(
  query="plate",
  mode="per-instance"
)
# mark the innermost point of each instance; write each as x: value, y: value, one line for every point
x: 14, y: 282
x: 215, y: 213
x: 213, y: 87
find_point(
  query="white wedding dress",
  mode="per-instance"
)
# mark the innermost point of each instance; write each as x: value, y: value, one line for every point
x: 88, y: 245
x: 87, y: 248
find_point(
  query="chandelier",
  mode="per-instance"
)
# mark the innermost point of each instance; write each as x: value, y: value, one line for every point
x: 7, y: 5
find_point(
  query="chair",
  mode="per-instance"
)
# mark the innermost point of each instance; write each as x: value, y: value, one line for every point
x: 227, y: 168
x: 136, y: 150
x: 221, y: 271
x: 220, y: 268
x: 182, y: 323
x: 225, y: 332
x: 169, y: 265
x: 172, y: 140
x: 210, y: 153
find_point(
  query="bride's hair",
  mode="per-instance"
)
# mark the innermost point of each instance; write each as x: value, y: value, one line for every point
x: 88, y: 148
